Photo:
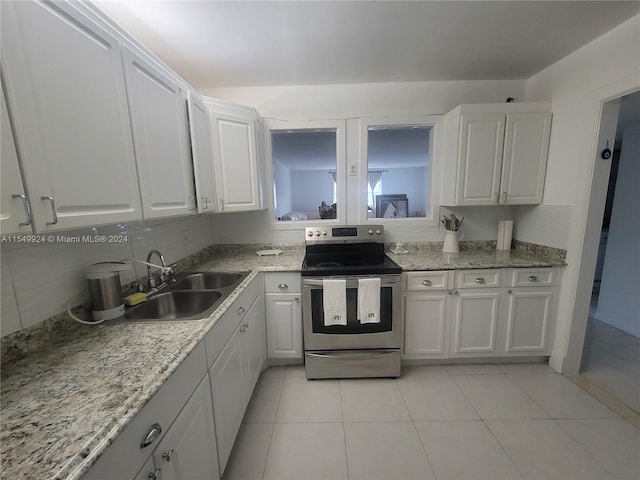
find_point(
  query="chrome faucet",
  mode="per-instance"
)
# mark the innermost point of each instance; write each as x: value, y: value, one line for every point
x: 151, y: 281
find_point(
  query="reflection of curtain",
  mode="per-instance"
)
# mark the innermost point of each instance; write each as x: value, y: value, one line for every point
x: 373, y: 177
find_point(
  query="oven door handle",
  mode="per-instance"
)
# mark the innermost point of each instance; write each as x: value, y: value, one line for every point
x: 360, y: 356
x: 352, y: 282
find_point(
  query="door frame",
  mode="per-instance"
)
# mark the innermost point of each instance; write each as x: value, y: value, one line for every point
x: 604, y: 103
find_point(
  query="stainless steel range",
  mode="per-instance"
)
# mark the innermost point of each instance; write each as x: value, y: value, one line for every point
x: 350, y: 304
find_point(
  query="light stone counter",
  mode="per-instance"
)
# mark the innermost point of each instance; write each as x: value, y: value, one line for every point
x: 437, y: 260
x: 74, y: 391
x: 67, y: 400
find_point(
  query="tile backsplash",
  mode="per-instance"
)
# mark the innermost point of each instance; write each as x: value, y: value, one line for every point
x: 38, y: 280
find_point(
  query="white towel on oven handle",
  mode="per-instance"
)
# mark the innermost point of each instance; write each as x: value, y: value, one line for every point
x: 369, y: 300
x: 334, y: 301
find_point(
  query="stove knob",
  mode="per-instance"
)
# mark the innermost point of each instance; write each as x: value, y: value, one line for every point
x: 309, y: 233
x: 317, y: 233
x: 324, y: 233
x: 378, y: 232
x: 370, y: 232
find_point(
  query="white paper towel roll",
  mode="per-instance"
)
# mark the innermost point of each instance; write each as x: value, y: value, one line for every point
x: 505, y: 232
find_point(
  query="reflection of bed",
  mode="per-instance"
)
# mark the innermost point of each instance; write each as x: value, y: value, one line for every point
x: 297, y: 215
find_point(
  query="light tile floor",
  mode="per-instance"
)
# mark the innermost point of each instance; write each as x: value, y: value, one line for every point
x: 434, y: 422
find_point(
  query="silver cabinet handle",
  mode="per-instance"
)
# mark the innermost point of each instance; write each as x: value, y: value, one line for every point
x: 245, y: 325
x: 243, y: 330
x: 297, y: 299
x: 497, y: 200
x: 504, y: 197
x: 167, y: 455
x: 155, y: 475
x: 533, y: 278
x: 450, y: 292
x: 509, y: 291
x: 427, y: 283
x: 481, y: 281
x: 241, y: 310
x: 455, y: 292
x: 221, y: 205
x: 53, y: 209
x: 205, y: 202
x: 27, y: 208
x: 283, y: 286
x: 151, y: 436
x: 191, y: 202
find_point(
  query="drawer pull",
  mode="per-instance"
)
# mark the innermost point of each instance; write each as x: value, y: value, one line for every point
x: 152, y: 435
x: 427, y: 283
x: 297, y: 299
x: 533, y: 278
x: 283, y: 286
x: 27, y: 208
x: 155, y: 475
x: 167, y: 455
x: 53, y: 210
x: 241, y: 310
x: 481, y: 280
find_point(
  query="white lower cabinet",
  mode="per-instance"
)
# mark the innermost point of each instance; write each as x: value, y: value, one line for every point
x: 188, y: 449
x: 234, y: 375
x: 475, y: 321
x: 427, y: 306
x: 283, y: 300
x: 479, y: 313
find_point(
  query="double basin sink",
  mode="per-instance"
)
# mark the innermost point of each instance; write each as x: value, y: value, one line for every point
x: 192, y: 296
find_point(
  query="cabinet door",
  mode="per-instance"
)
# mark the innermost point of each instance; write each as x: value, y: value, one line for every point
x: 229, y: 396
x: 475, y: 322
x: 14, y: 206
x: 425, y: 329
x: 188, y: 450
x: 236, y: 162
x: 255, y: 343
x: 480, y: 158
x: 524, y: 165
x: 284, y: 325
x: 529, y: 318
x: 159, y: 121
x: 201, y: 152
x: 67, y: 98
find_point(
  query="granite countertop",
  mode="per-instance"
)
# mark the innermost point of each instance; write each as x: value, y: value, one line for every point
x: 67, y: 400
x: 437, y: 260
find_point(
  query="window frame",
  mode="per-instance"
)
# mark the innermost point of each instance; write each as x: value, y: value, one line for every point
x: 272, y: 124
x: 436, y: 123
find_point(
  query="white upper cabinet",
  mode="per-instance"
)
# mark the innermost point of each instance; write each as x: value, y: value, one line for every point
x: 236, y: 160
x: 67, y: 99
x: 495, y: 154
x: 201, y: 147
x: 159, y: 121
x: 15, y: 216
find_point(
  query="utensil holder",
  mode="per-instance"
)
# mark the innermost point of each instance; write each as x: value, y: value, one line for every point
x: 450, y: 242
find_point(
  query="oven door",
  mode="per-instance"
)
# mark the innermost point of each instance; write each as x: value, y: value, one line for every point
x: 353, y: 335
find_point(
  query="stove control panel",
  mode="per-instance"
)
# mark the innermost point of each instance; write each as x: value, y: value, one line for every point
x: 345, y: 234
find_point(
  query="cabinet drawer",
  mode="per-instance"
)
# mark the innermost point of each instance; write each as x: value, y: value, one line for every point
x: 222, y: 330
x: 428, y: 280
x: 532, y: 277
x: 281, y: 282
x: 477, y: 278
x: 125, y: 456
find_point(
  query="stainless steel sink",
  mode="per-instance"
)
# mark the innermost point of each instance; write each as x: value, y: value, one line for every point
x: 207, y: 280
x: 175, y: 305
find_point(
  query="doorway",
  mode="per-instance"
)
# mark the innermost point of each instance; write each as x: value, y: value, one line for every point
x: 611, y: 353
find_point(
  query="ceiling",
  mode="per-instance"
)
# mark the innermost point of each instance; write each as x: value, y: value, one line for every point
x: 259, y: 43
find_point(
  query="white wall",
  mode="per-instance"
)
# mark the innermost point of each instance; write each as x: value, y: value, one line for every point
x: 309, y: 188
x: 576, y: 86
x: 619, y: 299
x: 39, y: 280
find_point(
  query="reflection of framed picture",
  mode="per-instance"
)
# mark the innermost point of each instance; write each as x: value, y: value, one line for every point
x: 392, y: 206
